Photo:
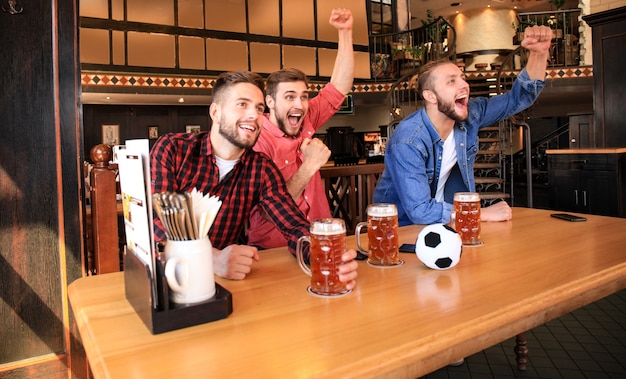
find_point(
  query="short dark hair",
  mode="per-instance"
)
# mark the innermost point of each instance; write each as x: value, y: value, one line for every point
x: 229, y: 79
x: 424, y: 80
x: 284, y: 75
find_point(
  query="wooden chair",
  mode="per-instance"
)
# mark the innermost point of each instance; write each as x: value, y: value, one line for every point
x: 350, y: 189
x: 102, y: 214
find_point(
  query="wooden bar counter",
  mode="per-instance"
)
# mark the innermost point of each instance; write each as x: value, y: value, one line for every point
x: 399, y: 322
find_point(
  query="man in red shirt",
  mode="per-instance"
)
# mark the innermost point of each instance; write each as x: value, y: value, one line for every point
x: 287, y: 135
x: 221, y: 163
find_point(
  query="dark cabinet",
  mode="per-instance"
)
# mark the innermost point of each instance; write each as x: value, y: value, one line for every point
x: 341, y: 142
x: 608, y: 44
x: 591, y: 182
x: 581, y: 131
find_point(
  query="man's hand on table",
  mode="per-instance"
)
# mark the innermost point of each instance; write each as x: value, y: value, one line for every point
x: 499, y: 211
x: 234, y: 261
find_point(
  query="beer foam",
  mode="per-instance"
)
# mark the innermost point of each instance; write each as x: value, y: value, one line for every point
x: 382, y: 210
x: 466, y: 196
x: 327, y: 227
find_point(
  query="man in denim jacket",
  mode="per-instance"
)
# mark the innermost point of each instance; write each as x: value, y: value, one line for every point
x: 431, y: 154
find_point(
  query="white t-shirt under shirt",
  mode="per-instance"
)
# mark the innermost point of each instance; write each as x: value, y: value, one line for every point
x: 448, y: 160
x: 224, y: 166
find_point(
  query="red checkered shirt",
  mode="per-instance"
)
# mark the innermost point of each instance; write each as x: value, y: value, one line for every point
x: 181, y: 162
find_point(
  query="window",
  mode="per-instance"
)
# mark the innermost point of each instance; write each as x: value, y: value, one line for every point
x: 381, y: 16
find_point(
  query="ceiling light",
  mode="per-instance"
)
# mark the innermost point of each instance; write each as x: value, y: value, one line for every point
x: 181, y: 100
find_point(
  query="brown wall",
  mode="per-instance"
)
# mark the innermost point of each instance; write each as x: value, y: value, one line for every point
x: 135, y: 120
x: 40, y: 222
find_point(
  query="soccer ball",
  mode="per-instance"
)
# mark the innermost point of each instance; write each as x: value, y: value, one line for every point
x: 439, y: 247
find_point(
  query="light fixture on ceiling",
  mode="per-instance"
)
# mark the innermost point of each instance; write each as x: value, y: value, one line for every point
x: 181, y: 100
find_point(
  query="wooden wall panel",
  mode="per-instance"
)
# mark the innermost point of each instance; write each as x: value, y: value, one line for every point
x: 263, y: 17
x: 94, y: 46
x: 191, y: 52
x: 153, y: 50
x: 148, y: 38
x: 302, y: 57
x: 40, y: 218
x: 190, y: 13
x: 235, y: 22
x: 295, y: 25
x: 156, y: 12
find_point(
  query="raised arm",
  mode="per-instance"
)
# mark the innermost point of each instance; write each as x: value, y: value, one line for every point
x: 537, y: 40
x: 343, y: 71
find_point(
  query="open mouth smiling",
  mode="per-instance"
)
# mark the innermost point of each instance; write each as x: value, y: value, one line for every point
x: 461, y: 100
x: 294, y: 118
x: 251, y: 128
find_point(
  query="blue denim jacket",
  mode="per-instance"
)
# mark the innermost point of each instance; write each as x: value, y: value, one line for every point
x: 415, y: 148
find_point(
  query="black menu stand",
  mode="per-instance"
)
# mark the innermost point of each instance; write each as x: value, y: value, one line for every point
x: 168, y: 316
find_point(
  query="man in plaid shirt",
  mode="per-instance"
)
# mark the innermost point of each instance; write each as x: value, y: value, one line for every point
x: 222, y: 163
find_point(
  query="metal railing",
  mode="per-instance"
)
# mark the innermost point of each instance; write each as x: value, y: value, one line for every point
x: 565, y: 50
x: 393, y: 55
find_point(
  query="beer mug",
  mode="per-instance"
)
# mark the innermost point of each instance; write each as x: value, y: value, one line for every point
x: 465, y: 217
x: 382, y: 235
x: 189, y: 270
x: 327, y: 244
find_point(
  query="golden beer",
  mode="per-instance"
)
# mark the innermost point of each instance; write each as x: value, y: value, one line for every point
x: 382, y: 235
x: 466, y: 216
x: 327, y: 245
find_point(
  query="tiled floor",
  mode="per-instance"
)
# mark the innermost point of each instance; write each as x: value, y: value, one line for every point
x: 587, y: 343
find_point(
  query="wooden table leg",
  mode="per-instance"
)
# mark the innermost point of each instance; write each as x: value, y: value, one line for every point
x: 521, y: 351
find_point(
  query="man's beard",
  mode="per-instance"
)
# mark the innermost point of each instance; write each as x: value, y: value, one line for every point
x: 448, y: 109
x: 229, y: 131
x: 281, y: 125
x: 280, y: 121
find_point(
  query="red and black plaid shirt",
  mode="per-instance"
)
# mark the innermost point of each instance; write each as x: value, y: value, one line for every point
x: 181, y: 162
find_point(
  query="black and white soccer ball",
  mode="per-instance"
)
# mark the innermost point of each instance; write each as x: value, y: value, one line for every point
x: 439, y: 246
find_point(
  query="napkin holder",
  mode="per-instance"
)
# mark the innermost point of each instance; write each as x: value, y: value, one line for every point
x: 167, y: 316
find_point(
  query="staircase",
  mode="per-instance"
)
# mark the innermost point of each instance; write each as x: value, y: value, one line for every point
x: 489, y: 173
x: 489, y: 167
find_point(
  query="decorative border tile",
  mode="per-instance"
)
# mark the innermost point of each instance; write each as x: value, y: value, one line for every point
x: 146, y: 81
x: 108, y: 79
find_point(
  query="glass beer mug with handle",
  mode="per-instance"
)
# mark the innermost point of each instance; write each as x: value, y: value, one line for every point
x: 327, y: 244
x: 465, y: 217
x: 382, y: 235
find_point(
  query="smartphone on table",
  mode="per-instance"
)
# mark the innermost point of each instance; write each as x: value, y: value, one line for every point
x: 568, y: 217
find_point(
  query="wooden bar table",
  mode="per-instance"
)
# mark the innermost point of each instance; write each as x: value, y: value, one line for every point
x: 405, y: 321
